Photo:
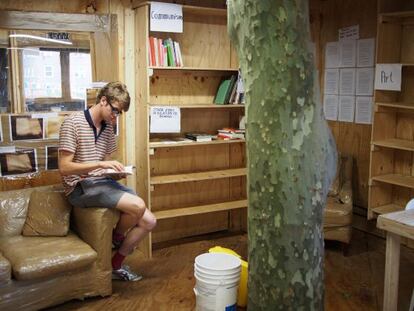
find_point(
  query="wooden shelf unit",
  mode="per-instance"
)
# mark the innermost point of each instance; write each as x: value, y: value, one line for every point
x: 392, y: 153
x: 192, y: 187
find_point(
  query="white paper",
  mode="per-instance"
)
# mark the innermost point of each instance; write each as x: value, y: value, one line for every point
x: 351, y: 32
x: 366, y: 52
x: 44, y: 115
x: 332, y: 55
x: 165, y: 119
x: 347, y: 53
x: 388, y: 77
x: 365, y: 81
x: 363, y: 112
x: 166, y: 17
x: 331, y: 81
x: 346, y: 108
x: 8, y: 149
x: 330, y: 107
x: 347, y: 81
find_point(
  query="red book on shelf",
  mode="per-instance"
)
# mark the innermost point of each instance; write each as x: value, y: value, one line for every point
x: 151, y: 51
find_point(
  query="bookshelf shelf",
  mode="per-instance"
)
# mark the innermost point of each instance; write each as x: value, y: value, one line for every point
x: 195, y: 143
x: 200, y: 106
x: 394, y: 143
x: 396, y: 179
x: 168, y: 179
x: 215, y: 178
x: 388, y: 208
x: 409, y: 106
x: 201, y: 209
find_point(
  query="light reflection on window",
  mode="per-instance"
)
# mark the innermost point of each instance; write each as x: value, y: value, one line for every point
x: 42, y: 74
x: 80, y: 74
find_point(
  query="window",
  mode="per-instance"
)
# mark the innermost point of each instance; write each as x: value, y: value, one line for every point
x: 80, y: 74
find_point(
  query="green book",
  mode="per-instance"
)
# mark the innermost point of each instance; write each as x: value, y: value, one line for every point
x: 222, y: 92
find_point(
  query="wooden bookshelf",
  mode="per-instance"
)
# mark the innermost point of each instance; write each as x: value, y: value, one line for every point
x: 392, y: 137
x: 202, y: 209
x: 192, y: 187
x: 168, y: 179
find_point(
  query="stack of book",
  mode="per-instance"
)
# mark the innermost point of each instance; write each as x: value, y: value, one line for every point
x: 228, y: 133
x: 230, y: 91
x: 199, y: 136
x: 164, y: 53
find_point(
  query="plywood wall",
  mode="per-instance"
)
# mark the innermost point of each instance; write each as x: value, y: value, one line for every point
x: 354, y: 139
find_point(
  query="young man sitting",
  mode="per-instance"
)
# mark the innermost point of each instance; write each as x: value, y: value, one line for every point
x: 86, y: 142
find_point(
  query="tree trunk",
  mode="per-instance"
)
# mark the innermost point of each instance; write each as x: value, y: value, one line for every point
x: 291, y: 153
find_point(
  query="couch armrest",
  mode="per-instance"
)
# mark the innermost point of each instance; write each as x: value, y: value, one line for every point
x: 94, y: 226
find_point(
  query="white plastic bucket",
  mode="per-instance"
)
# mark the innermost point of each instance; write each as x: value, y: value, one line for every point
x: 217, y: 280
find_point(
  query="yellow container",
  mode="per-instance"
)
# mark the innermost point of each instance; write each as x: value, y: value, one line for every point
x: 242, y: 294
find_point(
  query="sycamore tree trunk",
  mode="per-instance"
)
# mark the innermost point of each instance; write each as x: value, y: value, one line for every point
x: 291, y: 153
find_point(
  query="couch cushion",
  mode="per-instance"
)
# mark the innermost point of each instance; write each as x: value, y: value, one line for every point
x: 13, y: 211
x: 5, y: 269
x: 336, y: 213
x: 37, y: 257
x: 48, y: 214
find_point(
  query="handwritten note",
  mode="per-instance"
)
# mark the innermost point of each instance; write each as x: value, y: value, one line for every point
x: 166, y: 17
x: 351, y: 32
x: 165, y: 119
x: 388, y: 77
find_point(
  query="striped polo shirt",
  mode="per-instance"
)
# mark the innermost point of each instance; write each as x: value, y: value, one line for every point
x: 79, y: 136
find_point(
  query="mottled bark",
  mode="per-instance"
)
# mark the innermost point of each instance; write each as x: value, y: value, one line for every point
x: 291, y: 153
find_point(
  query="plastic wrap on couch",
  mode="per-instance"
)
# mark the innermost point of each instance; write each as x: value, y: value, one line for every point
x: 5, y: 270
x: 13, y: 211
x: 41, y: 257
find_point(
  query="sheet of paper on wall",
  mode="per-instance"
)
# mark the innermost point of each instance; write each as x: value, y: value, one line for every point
x: 331, y: 81
x: 347, y: 53
x: 7, y: 149
x: 166, y: 17
x: 332, y: 55
x: 349, y: 33
x: 165, y: 119
x: 363, y: 110
x: 365, y: 81
x: 330, y: 107
x: 366, y: 52
x: 346, y: 108
x: 388, y: 77
x: 347, y: 81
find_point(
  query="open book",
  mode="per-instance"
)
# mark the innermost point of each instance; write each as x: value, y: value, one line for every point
x: 128, y: 170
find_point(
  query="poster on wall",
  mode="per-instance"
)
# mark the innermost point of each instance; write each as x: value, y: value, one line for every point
x: 53, y: 126
x: 22, y: 161
x: 26, y: 127
x: 51, y: 157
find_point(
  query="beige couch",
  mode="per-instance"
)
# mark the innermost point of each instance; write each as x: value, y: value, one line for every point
x: 37, y: 272
x: 338, y: 209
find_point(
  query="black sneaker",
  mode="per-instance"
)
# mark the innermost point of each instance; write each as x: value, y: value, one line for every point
x: 125, y: 274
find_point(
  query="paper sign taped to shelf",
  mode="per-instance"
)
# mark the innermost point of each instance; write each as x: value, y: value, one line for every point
x: 388, y: 77
x: 166, y: 17
x: 165, y: 119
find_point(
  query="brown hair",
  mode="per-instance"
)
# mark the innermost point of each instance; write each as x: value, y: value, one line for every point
x: 115, y: 91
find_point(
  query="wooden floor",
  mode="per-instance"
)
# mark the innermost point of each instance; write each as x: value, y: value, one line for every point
x: 353, y: 282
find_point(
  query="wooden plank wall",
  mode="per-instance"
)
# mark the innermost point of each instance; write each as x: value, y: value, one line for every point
x: 109, y: 58
x: 354, y: 139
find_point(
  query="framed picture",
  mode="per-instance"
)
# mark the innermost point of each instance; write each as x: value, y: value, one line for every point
x: 51, y: 157
x: 25, y: 127
x: 22, y: 161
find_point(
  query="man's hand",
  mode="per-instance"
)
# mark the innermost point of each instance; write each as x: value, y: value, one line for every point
x: 115, y: 165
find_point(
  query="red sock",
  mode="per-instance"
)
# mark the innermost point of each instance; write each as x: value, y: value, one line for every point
x: 117, y: 261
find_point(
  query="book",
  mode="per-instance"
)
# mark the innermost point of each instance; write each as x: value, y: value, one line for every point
x: 222, y: 92
x: 199, y: 136
x: 128, y: 170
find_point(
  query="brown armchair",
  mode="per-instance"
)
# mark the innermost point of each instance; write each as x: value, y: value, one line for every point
x: 338, y: 210
x: 37, y: 272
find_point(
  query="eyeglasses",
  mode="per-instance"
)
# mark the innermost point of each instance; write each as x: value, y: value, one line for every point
x: 115, y: 111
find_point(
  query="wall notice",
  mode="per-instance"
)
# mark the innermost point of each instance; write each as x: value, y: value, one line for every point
x: 166, y: 17
x: 165, y: 119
